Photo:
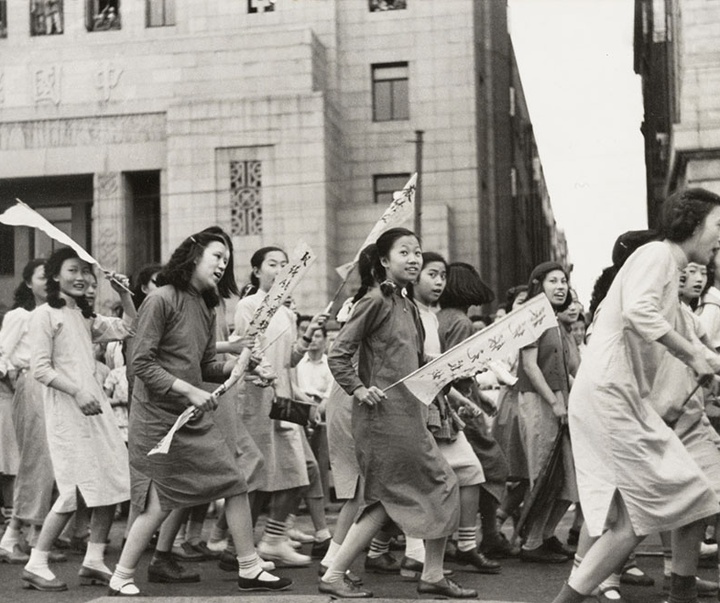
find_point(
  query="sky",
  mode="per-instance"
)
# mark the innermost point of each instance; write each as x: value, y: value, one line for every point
x: 576, y: 66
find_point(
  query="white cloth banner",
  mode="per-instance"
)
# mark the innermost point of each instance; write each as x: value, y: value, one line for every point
x: 398, y: 212
x: 24, y: 215
x: 285, y: 282
x: 508, y: 334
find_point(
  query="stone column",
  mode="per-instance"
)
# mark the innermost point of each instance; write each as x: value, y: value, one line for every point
x: 110, y: 221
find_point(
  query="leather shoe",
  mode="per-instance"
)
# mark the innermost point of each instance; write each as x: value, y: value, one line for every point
x: 498, y: 547
x: 39, y: 583
x: 254, y: 584
x: 91, y: 577
x: 412, y: 568
x: 126, y: 590
x: 636, y: 579
x: 541, y: 555
x: 705, y: 588
x: 342, y: 589
x: 446, y: 588
x: 553, y: 545
x: 384, y: 564
x: 168, y: 570
x: 602, y: 596
x: 481, y: 563
x: 319, y: 549
x: 16, y: 557
x: 352, y: 577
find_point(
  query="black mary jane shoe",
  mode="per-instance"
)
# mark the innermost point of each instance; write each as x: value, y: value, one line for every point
x: 481, y: 563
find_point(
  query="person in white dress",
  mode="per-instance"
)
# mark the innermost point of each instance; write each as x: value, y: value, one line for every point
x: 86, y: 448
x: 634, y: 475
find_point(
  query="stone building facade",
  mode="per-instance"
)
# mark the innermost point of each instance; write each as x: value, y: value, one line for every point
x: 131, y: 124
x: 677, y: 53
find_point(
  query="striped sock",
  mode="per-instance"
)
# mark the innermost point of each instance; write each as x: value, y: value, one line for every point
x: 378, y: 548
x: 275, y: 530
x: 466, y: 538
x: 576, y: 564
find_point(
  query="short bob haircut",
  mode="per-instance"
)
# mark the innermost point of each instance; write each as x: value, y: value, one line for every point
x: 464, y: 288
x: 256, y: 261
x: 23, y: 296
x: 179, y: 270
x: 684, y: 211
x: 537, y: 277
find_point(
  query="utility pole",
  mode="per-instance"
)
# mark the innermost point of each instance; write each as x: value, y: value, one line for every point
x: 418, y: 187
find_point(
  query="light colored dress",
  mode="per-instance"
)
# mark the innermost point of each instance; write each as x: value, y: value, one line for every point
x: 9, y: 456
x: 35, y: 480
x: 280, y: 442
x: 457, y: 452
x: 88, y: 453
x: 401, y: 465
x: 620, y: 442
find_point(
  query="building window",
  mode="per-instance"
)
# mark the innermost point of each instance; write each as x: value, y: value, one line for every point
x: 103, y: 15
x: 261, y: 6
x: 3, y: 18
x: 160, y: 13
x: 245, y: 198
x: 381, y: 5
x: 512, y: 101
x: 390, y: 92
x: 384, y: 185
x: 46, y: 17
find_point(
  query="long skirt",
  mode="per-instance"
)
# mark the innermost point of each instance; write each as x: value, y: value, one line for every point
x: 506, y: 431
x: 35, y: 480
x: 402, y: 467
x: 199, y: 467
x: 701, y: 441
x: 341, y: 444
x: 539, y: 427
x: 9, y: 456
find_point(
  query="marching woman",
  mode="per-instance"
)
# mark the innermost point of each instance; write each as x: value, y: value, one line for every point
x: 544, y: 384
x: 86, y: 447
x: 405, y: 476
x: 174, y: 353
x: 280, y: 442
x: 634, y: 475
x: 35, y: 480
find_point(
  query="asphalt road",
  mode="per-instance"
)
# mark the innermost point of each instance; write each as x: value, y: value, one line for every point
x: 518, y: 581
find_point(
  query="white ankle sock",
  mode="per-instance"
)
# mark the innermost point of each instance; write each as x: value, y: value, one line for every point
x: 415, y: 549
x: 331, y: 576
x: 95, y: 557
x: 38, y: 564
x: 10, y: 538
x: 249, y: 567
x: 322, y: 535
x: 123, y: 580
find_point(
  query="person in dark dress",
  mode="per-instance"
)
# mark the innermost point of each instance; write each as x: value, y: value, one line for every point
x: 176, y: 337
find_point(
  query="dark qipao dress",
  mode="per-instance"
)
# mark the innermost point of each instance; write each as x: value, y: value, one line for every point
x: 401, y: 465
x: 176, y: 339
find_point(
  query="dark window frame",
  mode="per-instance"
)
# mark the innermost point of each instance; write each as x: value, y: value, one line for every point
x: 3, y: 19
x: 378, y: 195
x: 381, y: 6
x: 39, y: 13
x: 395, y: 113
x: 98, y: 16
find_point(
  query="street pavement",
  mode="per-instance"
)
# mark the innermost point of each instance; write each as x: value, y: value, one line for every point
x: 521, y: 582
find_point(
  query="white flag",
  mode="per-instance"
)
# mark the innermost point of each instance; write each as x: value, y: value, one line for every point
x: 24, y: 215
x: 398, y: 212
x: 285, y: 282
x: 508, y: 334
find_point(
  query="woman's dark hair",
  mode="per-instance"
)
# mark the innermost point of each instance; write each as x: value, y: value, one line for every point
x: 512, y: 294
x: 143, y: 278
x: 537, y: 277
x: 52, y: 270
x: 464, y: 288
x: 684, y: 211
x: 23, y: 296
x: 227, y: 285
x: 433, y: 256
x: 366, y: 268
x: 255, y: 262
x: 179, y: 270
x: 384, y: 244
